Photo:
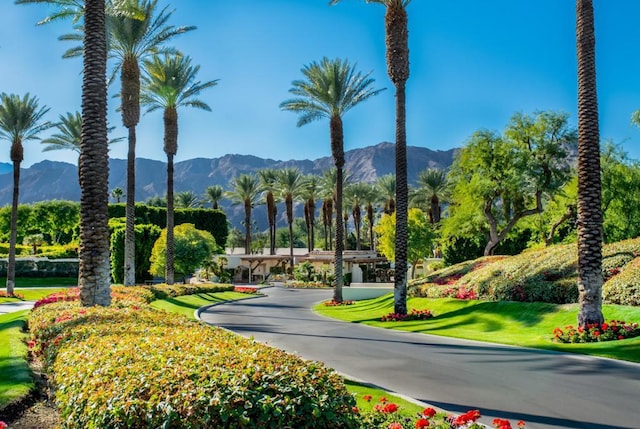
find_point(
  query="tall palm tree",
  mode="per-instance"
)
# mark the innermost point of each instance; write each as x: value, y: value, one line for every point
x: 397, y: 47
x: 117, y: 194
x: 213, y: 194
x: 432, y: 186
x: 20, y: 121
x: 245, y: 190
x: 386, y: 186
x: 589, y: 181
x: 94, y: 279
x: 133, y: 39
x: 170, y: 83
x: 290, y: 184
x: 330, y: 89
x: 69, y: 135
x: 267, y: 178
x: 356, y: 195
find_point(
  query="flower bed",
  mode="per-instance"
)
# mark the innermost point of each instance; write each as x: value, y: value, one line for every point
x: 614, y: 330
x: 412, y: 315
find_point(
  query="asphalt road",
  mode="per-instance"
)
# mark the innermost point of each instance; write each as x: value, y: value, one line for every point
x: 545, y: 389
x: 10, y: 307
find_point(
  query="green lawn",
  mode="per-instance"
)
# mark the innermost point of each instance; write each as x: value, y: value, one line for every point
x: 15, y: 375
x: 32, y: 294
x: 515, y: 323
x: 187, y: 304
x: 22, y: 282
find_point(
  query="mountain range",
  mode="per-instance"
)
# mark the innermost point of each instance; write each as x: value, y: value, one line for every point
x: 54, y: 180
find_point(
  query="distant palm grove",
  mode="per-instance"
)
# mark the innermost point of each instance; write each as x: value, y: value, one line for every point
x: 537, y: 182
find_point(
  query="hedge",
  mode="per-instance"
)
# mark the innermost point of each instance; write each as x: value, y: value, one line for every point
x: 129, y: 366
x: 624, y: 288
x: 146, y: 236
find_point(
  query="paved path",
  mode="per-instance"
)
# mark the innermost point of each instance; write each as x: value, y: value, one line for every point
x: 545, y: 389
x: 9, y: 307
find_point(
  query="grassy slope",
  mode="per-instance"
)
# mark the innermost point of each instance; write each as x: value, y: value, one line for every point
x: 515, y: 323
x: 15, y: 375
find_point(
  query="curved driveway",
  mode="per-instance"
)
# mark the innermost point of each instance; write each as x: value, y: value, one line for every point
x: 545, y: 389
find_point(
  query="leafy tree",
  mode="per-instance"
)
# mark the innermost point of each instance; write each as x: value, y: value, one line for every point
x: 330, y: 89
x: 589, y: 182
x: 157, y: 201
x: 509, y: 177
x: 213, y: 194
x: 245, y: 190
x: 170, y: 83
x: 421, y: 237
x: 21, y: 119
x: 433, y: 185
x: 193, y: 248
x: 117, y: 194
x: 56, y: 220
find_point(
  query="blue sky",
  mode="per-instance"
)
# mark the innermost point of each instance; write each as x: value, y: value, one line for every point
x: 473, y: 64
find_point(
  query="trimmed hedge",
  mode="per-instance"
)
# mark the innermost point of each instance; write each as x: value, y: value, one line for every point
x: 624, y: 288
x: 146, y: 236
x: 129, y: 366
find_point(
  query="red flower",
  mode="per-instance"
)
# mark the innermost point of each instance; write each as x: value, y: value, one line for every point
x: 390, y: 408
x: 521, y: 424
x: 501, y: 424
x: 367, y: 398
x: 3, y: 425
x: 422, y: 423
x: 355, y: 410
x: 429, y: 412
x: 395, y: 426
x: 383, y: 399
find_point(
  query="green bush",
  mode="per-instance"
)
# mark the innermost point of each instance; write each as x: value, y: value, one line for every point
x: 624, y: 288
x: 134, y: 367
x: 146, y: 235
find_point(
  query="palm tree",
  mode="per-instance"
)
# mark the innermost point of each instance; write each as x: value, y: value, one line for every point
x: 69, y: 135
x: 267, y: 178
x: 170, y: 83
x: 386, y: 186
x: 369, y: 198
x: 133, y: 39
x: 432, y: 185
x: 20, y: 120
x: 245, y: 190
x: 331, y: 88
x: 310, y: 194
x: 589, y: 182
x: 185, y: 200
x: 397, y: 47
x: 290, y: 185
x: 355, y: 195
x: 94, y: 279
x: 213, y: 194
x: 117, y: 194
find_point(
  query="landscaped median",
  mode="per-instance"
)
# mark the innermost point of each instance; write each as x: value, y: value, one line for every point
x: 129, y: 365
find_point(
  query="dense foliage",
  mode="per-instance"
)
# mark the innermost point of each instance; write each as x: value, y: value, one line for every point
x: 146, y: 235
x: 130, y: 366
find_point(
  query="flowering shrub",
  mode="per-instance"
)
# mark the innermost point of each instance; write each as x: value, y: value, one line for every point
x: 72, y: 294
x: 4, y: 294
x: 137, y: 367
x: 459, y: 293
x: 384, y: 415
x: 3, y: 425
x: 614, y: 330
x: 249, y: 290
x: 334, y: 303
x: 412, y: 315
x: 624, y: 288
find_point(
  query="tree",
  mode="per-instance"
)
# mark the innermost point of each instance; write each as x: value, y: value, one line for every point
x: 356, y: 195
x: 509, y: 177
x: 290, y: 185
x: 213, y: 194
x: 192, y: 248
x: 21, y: 119
x: 310, y: 194
x: 267, y: 178
x: 245, y: 190
x: 170, y: 83
x: 133, y: 39
x: 432, y: 186
x: 117, y: 193
x: 94, y: 279
x: 397, y: 55
x: 185, y: 200
x: 330, y: 89
x: 386, y: 187
x: 421, y: 237
x: 589, y: 184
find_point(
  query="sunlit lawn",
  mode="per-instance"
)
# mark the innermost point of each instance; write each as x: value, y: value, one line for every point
x: 515, y: 323
x: 187, y: 304
x: 15, y: 375
x: 32, y: 293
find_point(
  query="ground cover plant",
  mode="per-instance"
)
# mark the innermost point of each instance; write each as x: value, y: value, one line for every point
x: 131, y: 366
x: 516, y: 323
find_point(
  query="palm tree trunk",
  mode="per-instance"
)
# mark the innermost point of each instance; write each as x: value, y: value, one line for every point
x: 170, y: 249
x: 130, y: 213
x: 247, y: 227
x: 289, y: 208
x: 11, y: 264
x: 402, y: 200
x: 337, y: 150
x: 372, y: 242
x: 94, y: 279
x: 589, y: 181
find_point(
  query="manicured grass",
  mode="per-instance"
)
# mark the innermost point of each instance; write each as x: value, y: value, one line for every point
x: 359, y: 390
x: 32, y: 294
x: 187, y: 304
x: 515, y: 323
x: 22, y: 282
x: 15, y: 376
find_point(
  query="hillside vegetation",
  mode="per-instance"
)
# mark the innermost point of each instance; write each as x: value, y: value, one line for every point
x: 541, y: 275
